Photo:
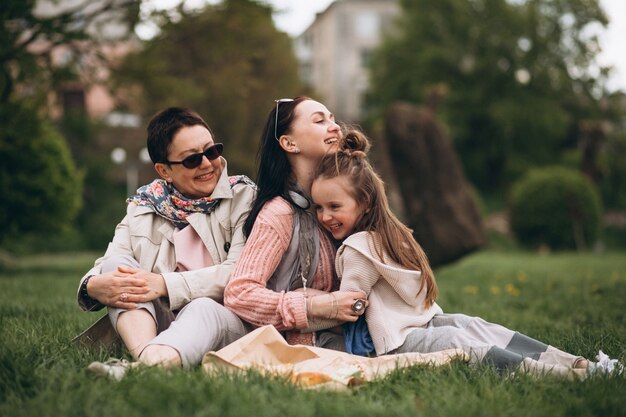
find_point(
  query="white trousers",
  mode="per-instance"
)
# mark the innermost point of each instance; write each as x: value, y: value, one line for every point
x: 201, y: 326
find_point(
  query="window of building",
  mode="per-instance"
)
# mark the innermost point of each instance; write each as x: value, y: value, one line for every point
x: 367, y: 24
x: 366, y: 57
x: 306, y: 73
x: 73, y: 100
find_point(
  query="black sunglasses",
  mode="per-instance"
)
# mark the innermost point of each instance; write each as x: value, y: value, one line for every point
x: 280, y: 100
x: 194, y: 161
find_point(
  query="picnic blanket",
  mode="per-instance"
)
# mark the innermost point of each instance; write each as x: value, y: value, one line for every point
x: 265, y: 350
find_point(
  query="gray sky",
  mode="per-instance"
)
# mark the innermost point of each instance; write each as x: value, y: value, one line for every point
x: 294, y: 16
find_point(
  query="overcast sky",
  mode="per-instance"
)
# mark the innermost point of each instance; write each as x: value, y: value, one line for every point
x: 294, y: 16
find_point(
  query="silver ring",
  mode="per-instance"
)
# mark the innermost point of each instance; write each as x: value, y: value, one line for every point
x: 123, y: 296
x: 358, y: 306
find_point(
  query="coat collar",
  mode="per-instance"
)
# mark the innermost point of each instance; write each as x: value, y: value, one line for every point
x: 222, y: 188
x: 197, y: 221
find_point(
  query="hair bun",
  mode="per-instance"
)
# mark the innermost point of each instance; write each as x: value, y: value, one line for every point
x: 353, y: 154
x: 355, y: 144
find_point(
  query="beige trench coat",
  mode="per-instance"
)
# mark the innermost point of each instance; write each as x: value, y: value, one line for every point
x: 148, y: 238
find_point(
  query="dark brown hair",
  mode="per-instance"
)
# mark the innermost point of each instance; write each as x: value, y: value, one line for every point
x: 274, y: 168
x: 163, y: 127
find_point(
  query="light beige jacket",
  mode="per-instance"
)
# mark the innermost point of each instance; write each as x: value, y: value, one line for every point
x: 148, y: 238
x: 394, y: 310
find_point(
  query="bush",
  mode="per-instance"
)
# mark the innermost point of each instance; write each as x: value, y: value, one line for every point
x: 41, y: 186
x: 555, y: 206
x: 613, y: 182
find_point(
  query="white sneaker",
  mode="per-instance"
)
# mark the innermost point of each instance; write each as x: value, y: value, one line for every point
x: 606, y: 365
x: 114, y: 369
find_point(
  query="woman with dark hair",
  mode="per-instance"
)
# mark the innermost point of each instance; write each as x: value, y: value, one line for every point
x: 163, y: 275
x: 285, y: 275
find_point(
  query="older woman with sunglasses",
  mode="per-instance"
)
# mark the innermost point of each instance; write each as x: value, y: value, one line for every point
x: 285, y: 275
x: 163, y: 275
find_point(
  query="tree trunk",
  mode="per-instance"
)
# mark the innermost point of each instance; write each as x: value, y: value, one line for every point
x: 438, y: 202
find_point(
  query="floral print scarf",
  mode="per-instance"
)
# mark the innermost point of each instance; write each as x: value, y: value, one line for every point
x: 170, y: 204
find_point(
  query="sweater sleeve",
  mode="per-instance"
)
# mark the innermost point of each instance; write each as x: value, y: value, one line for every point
x: 246, y: 293
x: 358, y: 272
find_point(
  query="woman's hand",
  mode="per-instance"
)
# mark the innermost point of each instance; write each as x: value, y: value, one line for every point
x: 336, y: 305
x: 126, y: 287
x: 155, y: 282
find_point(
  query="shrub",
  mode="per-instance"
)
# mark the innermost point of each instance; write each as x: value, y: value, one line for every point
x: 41, y: 186
x: 613, y: 182
x: 555, y: 206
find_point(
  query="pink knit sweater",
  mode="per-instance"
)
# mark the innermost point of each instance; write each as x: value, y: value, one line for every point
x: 246, y: 293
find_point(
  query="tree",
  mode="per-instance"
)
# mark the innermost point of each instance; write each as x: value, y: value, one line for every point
x: 40, y: 183
x: 518, y: 76
x: 227, y: 62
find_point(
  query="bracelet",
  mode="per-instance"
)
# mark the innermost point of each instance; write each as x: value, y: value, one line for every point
x: 83, y: 288
x: 87, y: 301
x: 335, y: 307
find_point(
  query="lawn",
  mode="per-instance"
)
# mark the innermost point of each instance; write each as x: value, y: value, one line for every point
x: 572, y: 301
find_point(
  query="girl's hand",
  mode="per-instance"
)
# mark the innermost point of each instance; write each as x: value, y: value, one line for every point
x: 336, y: 305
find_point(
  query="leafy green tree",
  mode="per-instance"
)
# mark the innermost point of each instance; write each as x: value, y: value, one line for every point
x: 228, y: 62
x: 102, y: 197
x: 41, y: 186
x: 518, y: 76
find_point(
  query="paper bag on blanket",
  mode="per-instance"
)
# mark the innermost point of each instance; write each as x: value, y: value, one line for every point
x: 265, y: 350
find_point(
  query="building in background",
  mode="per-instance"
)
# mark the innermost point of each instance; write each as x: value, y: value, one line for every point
x: 334, y: 52
x: 119, y: 132
x: 111, y: 41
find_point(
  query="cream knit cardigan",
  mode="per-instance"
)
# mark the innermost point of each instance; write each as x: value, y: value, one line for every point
x: 394, y: 310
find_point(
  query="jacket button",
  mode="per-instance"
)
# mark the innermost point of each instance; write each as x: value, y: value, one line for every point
x: 227, y: 246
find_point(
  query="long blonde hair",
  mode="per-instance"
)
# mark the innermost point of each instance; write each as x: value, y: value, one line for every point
x: 367, y: 188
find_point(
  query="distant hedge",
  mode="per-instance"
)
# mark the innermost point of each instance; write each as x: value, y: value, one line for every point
x: 557, y: 207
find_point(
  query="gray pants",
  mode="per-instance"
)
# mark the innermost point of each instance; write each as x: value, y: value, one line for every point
x: 330, y: 340
x: 201, y: 326
x: 487, y: 343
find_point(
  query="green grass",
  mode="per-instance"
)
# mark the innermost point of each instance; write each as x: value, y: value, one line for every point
x: 573, y: 301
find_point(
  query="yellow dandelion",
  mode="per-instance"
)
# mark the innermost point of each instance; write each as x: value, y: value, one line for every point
x: 522, y: 277
x: 573, y: 290
x: 614, y: 276
x: 512, y: 290
x: 494, y: 290
x: 471, y: 289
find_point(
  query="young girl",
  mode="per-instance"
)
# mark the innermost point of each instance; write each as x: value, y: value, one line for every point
x: 380, y: 257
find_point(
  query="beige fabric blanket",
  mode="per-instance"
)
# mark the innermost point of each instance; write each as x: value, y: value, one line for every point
x: 265, y: 350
